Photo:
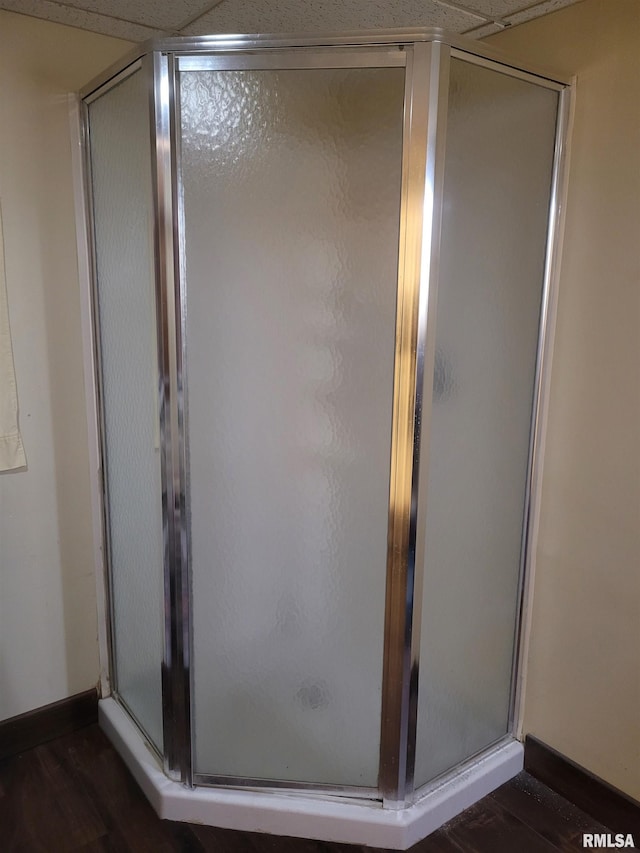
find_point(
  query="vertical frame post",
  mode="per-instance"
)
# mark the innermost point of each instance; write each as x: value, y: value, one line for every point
x: 176, y: 689
x: 422, y: 180
x: 95, y: 417
x: 533, y: 494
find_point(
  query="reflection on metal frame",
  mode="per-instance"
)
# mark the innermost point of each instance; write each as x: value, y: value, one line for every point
x: 176, y: 696
x: 182, y: 433
x: 429, y: 273
x: 301, y: 60
x: 423, y: 171
x: 538, y: 414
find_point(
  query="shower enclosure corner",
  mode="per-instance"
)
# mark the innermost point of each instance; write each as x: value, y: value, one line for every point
x: 322, y: 281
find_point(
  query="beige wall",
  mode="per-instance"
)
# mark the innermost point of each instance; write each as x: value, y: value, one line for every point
x: 48, y: 645
x: 583, y: 681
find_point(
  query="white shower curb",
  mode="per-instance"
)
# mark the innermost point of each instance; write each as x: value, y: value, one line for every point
x: 308, y: 815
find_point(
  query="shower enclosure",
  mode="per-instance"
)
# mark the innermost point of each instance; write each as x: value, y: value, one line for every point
x: 322, y: 275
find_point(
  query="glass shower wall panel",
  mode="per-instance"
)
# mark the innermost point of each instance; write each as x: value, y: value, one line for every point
x: 291, y: 183
x: 122, y: 197
x: 498, y: 171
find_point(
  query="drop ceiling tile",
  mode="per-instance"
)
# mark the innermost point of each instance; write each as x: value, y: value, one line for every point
x: 539, y: 9
x: 299, y: 16
x: 160, y: 14
x: 62, y: 14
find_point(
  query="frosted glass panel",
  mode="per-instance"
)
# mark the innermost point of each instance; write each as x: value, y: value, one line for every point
x: 291, y: 202
x: 121, y: 173
x: 500, y: 139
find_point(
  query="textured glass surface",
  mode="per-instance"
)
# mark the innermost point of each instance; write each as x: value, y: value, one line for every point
x: 500, y: 139
x: 291, y: 197
x: 121, y: 173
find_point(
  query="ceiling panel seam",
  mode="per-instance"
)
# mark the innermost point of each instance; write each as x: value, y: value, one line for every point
x: 527, y: 8
x: 473, y: 13
x: 74, y: 8
x: 502, y: 21
x: 506, y: 20
x: 191, y: 20
x: 489, y: 28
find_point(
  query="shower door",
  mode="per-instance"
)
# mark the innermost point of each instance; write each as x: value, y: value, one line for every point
x: 289, y: 188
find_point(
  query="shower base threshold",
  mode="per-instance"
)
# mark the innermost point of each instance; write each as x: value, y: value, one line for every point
x: 310, y: 816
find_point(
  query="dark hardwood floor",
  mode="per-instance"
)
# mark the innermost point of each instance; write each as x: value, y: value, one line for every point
x: 75, y: 794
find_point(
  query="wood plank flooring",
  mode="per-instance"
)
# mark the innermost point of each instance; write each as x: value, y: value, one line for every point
x: 75, y: 794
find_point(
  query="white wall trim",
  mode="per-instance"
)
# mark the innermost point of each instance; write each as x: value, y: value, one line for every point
x: 309, y: 816
x: 88, y: 349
